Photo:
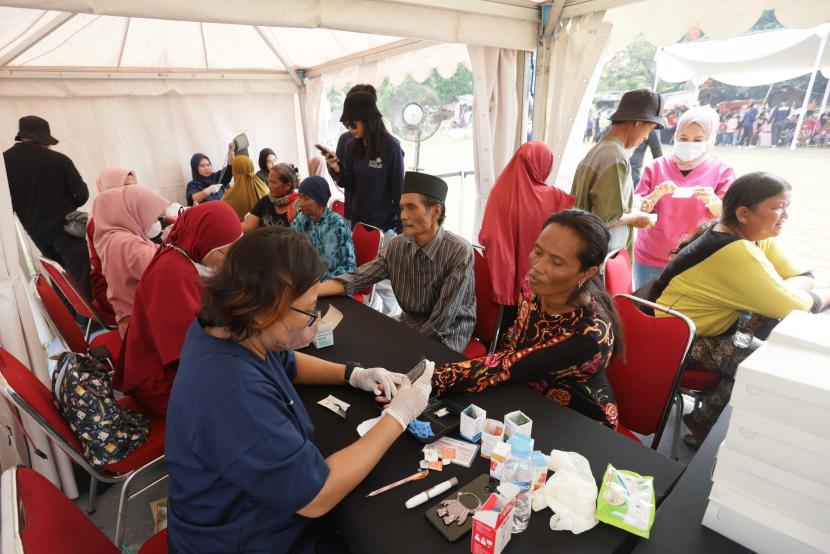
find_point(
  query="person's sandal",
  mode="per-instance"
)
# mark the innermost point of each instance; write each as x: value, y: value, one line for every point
x: 699, y: 432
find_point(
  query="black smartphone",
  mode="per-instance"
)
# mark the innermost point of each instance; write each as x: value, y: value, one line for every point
x: 325, y: 151
x: 416, y: 372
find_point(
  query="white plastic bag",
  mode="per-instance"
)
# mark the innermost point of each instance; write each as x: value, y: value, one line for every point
x: 571, y: 492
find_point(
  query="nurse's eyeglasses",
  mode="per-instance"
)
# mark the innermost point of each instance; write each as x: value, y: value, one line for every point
x: 312, y: 317
x: 350, y: 124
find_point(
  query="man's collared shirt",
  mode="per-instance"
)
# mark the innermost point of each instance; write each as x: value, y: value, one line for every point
x: 434, y: 285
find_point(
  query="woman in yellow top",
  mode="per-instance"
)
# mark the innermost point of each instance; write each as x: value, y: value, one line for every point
x: 247, y: 187
x: 733, y: 266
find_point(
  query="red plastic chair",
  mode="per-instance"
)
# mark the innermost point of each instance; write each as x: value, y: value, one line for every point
x: 618, y: 278
x: 339, y: 207
x: 694, y: 383
x: 366, y: 241
x: 64, y: 282
x: 68, y: 328
x: 38, y: 517
x: 646, y: 381
x: 488, y: 313
x: 26, y: 393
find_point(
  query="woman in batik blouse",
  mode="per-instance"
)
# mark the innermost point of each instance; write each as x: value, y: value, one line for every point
x: 564, y: 336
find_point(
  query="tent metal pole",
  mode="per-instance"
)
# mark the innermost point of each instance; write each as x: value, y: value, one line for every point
x: 806, y: 102
x: 523, y: 91
x: 769, y: 90
x: 551, y: 14
x: 25, y: 45
x: 275, y: 47
x: 824, y: 98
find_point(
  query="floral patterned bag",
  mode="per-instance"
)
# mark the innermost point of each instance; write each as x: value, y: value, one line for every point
x: 82, y: 392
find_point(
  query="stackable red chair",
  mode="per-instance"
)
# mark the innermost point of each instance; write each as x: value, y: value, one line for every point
x: 618, y: 273
x: 646, y: 381
x: 68, y: 328
x: 366, y: 241
x: 26, y: 393
x: 64, y: 282
x: 37, y: 518
x: 339, y: 207
x: 488, y: 313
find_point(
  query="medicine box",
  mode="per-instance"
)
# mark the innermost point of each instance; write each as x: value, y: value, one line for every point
x: 325, y: 335
x: 790, y: 494
x: 472, y: 422
x: 760, y: 527
x: 497, y: 458
x: 786, y: 384
x: 780, y: 445
x: 540, y: 470
x: 493, y: 524
x: 517, y: 422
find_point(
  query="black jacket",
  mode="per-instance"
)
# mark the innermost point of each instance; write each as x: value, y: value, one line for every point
x: 44, y: 186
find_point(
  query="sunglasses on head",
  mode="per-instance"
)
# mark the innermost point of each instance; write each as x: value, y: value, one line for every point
x: 350, y: 124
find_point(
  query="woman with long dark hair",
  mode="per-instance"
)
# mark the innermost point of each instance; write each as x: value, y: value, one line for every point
x: 567, y: 330
x: 730, y: 267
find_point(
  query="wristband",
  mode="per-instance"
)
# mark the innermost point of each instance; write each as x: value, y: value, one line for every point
x: 350, y: 367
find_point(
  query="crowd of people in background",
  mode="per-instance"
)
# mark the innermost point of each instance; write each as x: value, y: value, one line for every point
x: 213, y: 299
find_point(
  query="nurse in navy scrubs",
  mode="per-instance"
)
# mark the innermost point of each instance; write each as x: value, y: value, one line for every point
x: 245, y: 473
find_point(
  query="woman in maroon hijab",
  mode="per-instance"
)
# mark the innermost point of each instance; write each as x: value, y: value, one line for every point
x: 167, y: 300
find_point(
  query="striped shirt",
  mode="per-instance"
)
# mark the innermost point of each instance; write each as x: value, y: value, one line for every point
x: 434, y: 285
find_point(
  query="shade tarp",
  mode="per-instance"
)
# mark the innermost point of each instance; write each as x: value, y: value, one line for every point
x: 749, y: 60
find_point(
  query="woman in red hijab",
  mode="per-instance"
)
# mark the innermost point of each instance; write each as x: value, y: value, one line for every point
x: 167, y: 300
x: 519, y: 204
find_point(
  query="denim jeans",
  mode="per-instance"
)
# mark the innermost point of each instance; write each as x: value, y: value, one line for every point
x: 644, y: 273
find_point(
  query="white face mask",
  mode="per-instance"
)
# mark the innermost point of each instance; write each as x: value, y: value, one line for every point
x: 204, y: 270
x: 153, y: 230
x: 690, y: 151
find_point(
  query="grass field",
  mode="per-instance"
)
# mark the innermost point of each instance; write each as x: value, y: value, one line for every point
x: 807, y: 233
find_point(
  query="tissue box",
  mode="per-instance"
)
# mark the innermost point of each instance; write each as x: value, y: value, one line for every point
x: 760, y: 527
x: 540, y: 470
x: 325, y: 335
x: 790, y: 494
x: 777, y: 444
x: 472, y: 422
x: 517, y: 422
x: 497, y: 458
x: 786, y: 384
x: 493, y: 524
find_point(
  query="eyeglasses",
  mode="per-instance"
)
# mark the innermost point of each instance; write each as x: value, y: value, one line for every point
x: 350, y: 124
x: 312, y: 317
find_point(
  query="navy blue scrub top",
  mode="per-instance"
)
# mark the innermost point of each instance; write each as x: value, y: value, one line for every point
x: 239, y: 452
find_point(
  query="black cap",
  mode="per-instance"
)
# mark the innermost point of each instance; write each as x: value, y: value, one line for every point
x: 640, y: 105
x: 35, y: 128
x: 426, y: 184
x: 360, y: 106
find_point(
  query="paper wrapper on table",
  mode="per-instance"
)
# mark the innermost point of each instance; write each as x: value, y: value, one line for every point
x: 326, y: 327
x: 493, y: 523
x: 517, y: 422
x: 472, y: 423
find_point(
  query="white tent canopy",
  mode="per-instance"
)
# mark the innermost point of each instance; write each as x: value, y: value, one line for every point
x: 749, y: 60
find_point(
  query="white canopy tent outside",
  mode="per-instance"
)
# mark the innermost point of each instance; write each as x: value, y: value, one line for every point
x: 144, y: 84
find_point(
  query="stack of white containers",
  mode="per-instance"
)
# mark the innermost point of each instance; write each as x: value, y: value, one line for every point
x: 771, y: 483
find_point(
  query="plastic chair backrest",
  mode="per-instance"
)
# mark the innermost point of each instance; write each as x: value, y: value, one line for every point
x: 69, y: 288
x: 618, y: 273
x: 339, y: 207
x: 60, y: 316
x: 50, y: 522
x: 366, y: 241
x: 487, y: 311
x: 645, y: 382
x: 24, y: 385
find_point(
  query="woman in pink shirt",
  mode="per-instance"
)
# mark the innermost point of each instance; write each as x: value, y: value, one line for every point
x: 684, y: 190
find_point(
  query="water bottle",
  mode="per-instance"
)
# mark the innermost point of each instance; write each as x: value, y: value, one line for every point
x: 743, y: 334
x: 518, y: 469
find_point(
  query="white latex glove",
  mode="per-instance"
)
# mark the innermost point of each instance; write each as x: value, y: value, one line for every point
x: 411, y: 400
x: 173, y: 209
x: 213, y: 189
x: 368, y: 379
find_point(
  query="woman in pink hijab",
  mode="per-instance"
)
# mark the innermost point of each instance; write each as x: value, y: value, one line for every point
x: 110, y: 178
x: 124, y: 219
x: 683, y: 189
x: 519, y: 204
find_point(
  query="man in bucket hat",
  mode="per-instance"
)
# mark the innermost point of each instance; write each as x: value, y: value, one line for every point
x: 602, y: 183
x: 45, y: 187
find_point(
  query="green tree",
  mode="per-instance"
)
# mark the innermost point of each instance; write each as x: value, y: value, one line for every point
x: 632, y: 68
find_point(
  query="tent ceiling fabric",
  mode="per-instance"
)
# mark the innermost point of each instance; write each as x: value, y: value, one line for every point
x: 749, y: 60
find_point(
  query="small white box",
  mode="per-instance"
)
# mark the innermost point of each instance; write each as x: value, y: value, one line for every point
x: 759, y: 527
x: 517, y: 422
x: 780, y: 445
x: 786, y: 492
x: 472, y: 422
x: 497, y: 458
x: 325, y: 335
x: 804, y: 330
x: 786, y: 384
x: 493, y: 524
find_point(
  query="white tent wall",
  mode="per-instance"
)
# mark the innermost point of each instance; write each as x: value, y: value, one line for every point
x: 154, y: 135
